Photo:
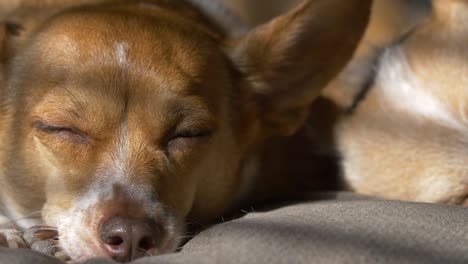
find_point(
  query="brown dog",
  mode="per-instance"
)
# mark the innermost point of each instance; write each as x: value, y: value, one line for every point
x: 121, y: 119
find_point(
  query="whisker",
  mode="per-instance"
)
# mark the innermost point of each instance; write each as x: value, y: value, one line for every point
x: 33, y: 213
x: 55, y: 246
x: 18, y: 232
x: 43, y: 228
x: 37, y: 229
x: 187, y: 236
x: 28, y: 216
x: 146, y: 252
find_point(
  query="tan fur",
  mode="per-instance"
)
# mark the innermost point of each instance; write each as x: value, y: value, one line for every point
x: 411, y: 147
x: 149, y: 105
x: 389, y: 21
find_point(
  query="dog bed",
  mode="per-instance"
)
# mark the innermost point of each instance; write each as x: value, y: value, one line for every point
x: 330, y: 228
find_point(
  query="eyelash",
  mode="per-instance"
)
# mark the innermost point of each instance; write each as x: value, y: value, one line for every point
x: 179, y: 140
x: 77, y: 136
x: 191, y: 134
x: 70, y: 134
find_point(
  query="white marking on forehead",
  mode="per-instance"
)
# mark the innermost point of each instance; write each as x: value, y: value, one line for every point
x: 399, y: 87
x: 121, y: 49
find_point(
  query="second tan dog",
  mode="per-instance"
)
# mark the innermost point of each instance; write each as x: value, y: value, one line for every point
x: 404, y: 131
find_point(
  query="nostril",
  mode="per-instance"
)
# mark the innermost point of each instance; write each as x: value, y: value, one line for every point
x: 125, y: 239
x: 115, y: 234
x: 114, y: 241
x: 146, y: 243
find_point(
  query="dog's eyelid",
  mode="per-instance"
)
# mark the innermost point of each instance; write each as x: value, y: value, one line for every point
x: 182, y: 139
x: 188, y: 133
x: 192, y: 128
x: 52, y: 128
x: 14, y: 28
x: 43, y: 126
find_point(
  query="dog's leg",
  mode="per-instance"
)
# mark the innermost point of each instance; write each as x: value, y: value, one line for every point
x: 12, y: 238
x: 42, y: 239
x: 9, y: 236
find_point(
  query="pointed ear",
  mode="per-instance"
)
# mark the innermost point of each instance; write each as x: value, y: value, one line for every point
x: 287, y: 61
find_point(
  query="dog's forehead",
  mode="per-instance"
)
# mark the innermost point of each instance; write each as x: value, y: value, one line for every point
x: 107, y: 64
x: 135, y: 44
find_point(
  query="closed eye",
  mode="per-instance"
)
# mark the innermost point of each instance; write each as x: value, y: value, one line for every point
x: 186, y: 138
x: 66, y: 133
x: 194, y: 133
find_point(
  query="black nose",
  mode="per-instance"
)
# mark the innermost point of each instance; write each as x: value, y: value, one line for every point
x: 127, y: 239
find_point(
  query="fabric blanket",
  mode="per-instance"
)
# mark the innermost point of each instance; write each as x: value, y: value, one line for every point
x: 330, y: 228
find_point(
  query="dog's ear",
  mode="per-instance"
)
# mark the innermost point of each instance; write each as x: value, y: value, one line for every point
x: 287, y: 61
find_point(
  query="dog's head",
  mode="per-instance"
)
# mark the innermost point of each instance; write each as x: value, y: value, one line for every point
x: 407, y: 138
x: 120, y: 120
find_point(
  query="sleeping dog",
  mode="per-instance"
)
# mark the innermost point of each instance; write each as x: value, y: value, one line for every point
x: 121, y: 119
x: 404, y: 134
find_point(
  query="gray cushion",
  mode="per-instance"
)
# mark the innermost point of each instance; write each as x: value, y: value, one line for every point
x: 25, y: 256
x: 336, y: 228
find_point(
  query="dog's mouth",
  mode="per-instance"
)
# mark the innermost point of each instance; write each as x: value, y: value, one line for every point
x: 120, y: 228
